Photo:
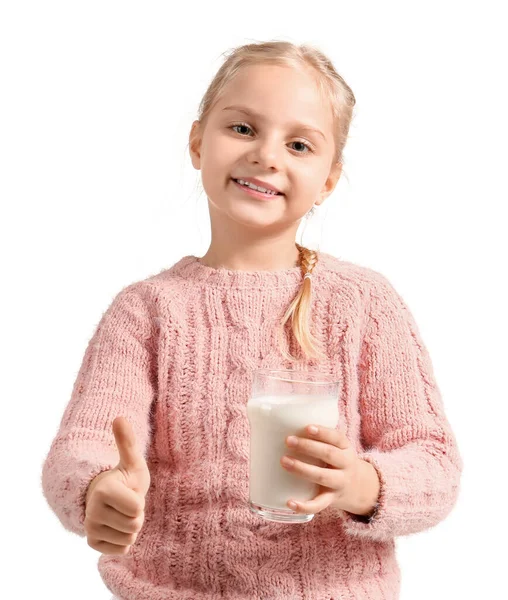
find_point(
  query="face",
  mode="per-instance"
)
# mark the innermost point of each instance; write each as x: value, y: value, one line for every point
x: 276, y: 142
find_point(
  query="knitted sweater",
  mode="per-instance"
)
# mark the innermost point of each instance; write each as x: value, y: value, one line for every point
x: 174, y: 354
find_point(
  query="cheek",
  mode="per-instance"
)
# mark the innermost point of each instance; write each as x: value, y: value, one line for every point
x: 214, y: 172
x: 222, y: 149
x: 299, y: 205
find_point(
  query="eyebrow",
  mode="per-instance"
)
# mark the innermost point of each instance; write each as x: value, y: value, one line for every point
x: 249, y: 111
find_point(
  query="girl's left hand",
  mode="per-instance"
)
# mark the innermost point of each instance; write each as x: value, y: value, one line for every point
x: 343, y: 482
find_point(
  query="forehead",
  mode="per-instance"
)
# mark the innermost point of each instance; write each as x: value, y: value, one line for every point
x: 277, y: 95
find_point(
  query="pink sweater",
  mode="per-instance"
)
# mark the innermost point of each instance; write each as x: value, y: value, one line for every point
x: 174, y: 354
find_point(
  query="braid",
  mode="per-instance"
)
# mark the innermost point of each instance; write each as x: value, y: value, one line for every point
x: 299, y: 309
x: 308, y: 259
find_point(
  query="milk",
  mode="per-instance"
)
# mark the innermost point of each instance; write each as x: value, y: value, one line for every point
x: 272, y: 419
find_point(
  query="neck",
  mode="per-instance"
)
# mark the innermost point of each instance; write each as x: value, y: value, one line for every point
x: 242, y: 249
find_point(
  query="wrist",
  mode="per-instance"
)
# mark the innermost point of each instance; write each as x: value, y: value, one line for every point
x: 368, y: 489
x: 93, y: 483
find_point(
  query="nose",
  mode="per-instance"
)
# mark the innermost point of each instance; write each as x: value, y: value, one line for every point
x: 268, y: 153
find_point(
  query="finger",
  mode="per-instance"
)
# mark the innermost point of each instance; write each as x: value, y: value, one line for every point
x: 131, y: 457
x: 113, y: 536
x: 310, y: 507
x: 326, y: 452
x: 121, y: 498
x: 107, y: 548
x: 116, y: 520
x: 336, y: 437
x: 327, y: 477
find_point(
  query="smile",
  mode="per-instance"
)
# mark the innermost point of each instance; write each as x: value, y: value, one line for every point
x: 256, y: 193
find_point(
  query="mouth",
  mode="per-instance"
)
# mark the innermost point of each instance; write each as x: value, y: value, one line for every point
x: 256, y: 193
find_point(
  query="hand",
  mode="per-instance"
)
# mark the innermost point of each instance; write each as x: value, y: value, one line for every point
x: 115, y: 499
x: 347, y: 482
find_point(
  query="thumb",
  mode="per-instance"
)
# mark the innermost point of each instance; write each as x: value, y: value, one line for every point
x: 131, y: 458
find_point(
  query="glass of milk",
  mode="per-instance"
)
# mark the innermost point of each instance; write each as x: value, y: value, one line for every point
x: 284, y: 402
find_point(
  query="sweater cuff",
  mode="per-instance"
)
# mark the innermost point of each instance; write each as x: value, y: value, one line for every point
x: 66, y: 479
x: 365, y: 518
x: 87, y: 475
x: 370, y: 526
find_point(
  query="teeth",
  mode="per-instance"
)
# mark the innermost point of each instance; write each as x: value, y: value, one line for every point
x: 257, y: 187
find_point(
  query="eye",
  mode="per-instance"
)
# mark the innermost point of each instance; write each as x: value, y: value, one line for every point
x: 296, y: 142
x: 239, y: 125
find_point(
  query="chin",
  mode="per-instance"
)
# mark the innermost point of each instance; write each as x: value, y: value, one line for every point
x: 255, y: 221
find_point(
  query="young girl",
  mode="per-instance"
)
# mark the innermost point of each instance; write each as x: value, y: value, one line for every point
x: 151, y: 461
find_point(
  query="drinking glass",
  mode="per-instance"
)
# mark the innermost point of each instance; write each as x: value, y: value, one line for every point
x: 284, y: 402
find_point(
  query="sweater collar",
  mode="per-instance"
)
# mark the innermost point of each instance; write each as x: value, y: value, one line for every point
x: 191, y: 268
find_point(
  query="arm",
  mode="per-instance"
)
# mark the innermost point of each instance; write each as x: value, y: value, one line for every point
x: 116, y: 378
x: 408, y: 438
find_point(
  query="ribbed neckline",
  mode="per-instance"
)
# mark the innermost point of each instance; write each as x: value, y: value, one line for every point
x: 191, y: 268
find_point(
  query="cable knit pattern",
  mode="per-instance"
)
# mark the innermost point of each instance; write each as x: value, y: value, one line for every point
x: 174, y: 354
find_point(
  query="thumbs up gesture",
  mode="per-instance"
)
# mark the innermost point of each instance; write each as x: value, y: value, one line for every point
x: 115, y: 499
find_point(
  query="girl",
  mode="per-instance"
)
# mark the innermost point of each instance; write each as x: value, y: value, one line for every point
x: 151, y: 461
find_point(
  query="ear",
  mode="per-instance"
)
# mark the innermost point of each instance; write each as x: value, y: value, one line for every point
x: 195, y: 144
x: 331, y: 182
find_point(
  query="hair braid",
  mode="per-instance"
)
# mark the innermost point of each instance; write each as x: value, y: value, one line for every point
x: 299, y: 310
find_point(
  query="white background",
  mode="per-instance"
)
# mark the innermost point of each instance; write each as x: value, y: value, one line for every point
x: 98, y: 191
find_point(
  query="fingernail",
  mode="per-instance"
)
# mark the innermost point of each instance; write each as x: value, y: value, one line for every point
x: 292, y: 505
x: 313, y: 429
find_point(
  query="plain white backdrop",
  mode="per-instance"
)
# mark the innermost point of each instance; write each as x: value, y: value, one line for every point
x: 97, y: 191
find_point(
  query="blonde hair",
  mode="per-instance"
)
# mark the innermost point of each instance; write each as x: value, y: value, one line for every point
x: 333, y: 88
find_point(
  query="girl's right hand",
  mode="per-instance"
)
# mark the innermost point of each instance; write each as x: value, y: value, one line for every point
x: 115, y: 499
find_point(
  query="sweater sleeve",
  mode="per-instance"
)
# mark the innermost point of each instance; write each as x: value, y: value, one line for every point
x: 404, y: 429
x: 116, y: 378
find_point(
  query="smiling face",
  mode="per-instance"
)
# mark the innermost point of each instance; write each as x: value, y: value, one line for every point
x: 285, y: 139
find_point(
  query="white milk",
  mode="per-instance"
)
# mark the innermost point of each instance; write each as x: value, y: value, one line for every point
x: 272, y: 419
